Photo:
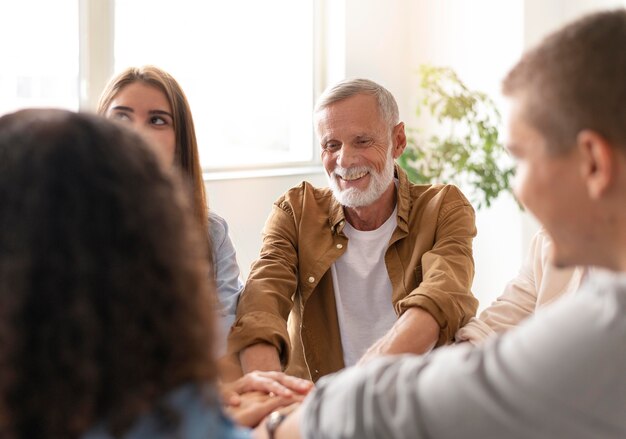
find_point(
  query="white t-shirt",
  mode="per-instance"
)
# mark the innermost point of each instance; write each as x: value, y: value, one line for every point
x: 363, y: 289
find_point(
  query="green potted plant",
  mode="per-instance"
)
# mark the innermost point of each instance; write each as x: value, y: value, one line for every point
x: 463, y: 146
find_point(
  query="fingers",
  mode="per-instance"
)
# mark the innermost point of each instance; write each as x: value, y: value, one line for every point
x: 275, y: 382
x: 296, y: 384
x: 231, y: 398
x: 253, y: 412
x: 280, y: 383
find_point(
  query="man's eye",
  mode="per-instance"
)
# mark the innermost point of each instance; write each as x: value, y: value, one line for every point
x: 331, y: 146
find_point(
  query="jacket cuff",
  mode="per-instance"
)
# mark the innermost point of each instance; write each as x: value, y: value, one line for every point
x: 449, y: 321
x: 260, y: 327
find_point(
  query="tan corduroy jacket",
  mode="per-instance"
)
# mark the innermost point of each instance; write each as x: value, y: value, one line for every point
x: 429, y: 261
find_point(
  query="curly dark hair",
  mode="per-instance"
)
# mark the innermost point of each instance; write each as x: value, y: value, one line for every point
x: 105, y: 304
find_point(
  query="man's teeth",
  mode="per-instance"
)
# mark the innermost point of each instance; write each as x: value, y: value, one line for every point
x: 354, y: 176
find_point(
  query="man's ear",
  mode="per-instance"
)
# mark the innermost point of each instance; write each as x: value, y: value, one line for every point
x: 399, y: 140
x: 598, y: 164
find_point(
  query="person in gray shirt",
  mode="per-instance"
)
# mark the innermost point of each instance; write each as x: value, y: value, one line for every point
x: 562, y: 373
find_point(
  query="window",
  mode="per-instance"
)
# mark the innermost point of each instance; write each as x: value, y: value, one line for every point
x: 247, y: 68
x: 39, y: 54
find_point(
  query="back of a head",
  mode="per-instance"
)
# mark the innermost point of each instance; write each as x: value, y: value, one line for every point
x: 575, y: 79
x: 104, y: 301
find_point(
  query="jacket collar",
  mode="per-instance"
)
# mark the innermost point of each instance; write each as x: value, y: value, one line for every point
x: 337, y: 219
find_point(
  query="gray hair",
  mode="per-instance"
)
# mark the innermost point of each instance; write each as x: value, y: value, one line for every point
x: 387, y: 105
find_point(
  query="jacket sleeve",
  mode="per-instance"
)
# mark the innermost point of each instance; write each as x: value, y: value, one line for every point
x: 266, y: 301
x: 448, y: 269
x: 517, y: 302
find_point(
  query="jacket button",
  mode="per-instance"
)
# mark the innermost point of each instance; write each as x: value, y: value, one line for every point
x: 339, y: 245
x: 311, y: 279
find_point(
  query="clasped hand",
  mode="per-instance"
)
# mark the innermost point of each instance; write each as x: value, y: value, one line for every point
x: 255, y: 395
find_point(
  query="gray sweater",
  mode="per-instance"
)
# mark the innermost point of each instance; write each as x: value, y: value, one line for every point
x: 561, y: 374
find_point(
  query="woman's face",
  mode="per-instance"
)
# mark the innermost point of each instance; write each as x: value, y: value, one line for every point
x: 146, y: 109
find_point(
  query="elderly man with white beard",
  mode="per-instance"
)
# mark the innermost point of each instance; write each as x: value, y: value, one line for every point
x: 372, y: 265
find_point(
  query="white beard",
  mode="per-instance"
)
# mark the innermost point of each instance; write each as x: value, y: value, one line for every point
x: 353, y: 197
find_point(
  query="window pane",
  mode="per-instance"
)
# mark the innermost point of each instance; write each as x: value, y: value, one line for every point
x: 245, y: 65
x: 39, y: 54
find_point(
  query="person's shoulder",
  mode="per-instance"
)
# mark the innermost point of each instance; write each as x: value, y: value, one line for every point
x: 605, y: 281
x: 447, y: 196
x: 450, y: 192
x: 217, y: 220
x: 218, y: 227
x: 541, y: 237
x: 200, y: 415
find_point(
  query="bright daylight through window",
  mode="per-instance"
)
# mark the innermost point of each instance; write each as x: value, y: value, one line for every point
x: 39, y: 56
x: 246, y: 66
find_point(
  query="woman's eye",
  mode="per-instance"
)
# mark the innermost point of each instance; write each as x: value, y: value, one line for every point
x: 157, y: 120
x: 120, y: 116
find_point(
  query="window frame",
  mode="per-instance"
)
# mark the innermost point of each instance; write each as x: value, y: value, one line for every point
x: 96, y: 62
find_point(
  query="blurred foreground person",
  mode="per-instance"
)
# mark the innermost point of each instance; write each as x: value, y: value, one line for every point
x: 106, y: 312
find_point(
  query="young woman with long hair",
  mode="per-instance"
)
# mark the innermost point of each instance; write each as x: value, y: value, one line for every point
x: 152, y: 102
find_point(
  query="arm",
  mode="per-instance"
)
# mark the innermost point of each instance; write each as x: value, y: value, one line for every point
x: 259, y: 337
x: 415, y: 331
x: 288, y: 429
x: 447, y: 271
x: 260, y: 356
x: 503, y: 389
x: 227, y: 276
x: 517, y: 302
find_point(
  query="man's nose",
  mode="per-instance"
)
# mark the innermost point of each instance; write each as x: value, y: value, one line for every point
x: 347, y: 156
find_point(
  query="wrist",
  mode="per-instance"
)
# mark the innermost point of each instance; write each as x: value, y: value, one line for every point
x: 260, y: 356
x: 273, y: 422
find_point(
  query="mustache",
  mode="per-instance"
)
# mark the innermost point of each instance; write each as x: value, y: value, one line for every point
x: 349, y: 172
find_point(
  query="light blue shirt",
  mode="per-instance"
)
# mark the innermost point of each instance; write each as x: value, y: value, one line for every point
x: 227, y: 276
x: 200, y: 417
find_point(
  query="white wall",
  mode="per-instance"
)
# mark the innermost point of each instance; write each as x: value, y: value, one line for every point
x: 480, y: 40
x: 245, y: 204
x: 386, y: 41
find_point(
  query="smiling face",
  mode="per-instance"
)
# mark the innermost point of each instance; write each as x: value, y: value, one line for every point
x: 358, y: 149
x: 146, y: 109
